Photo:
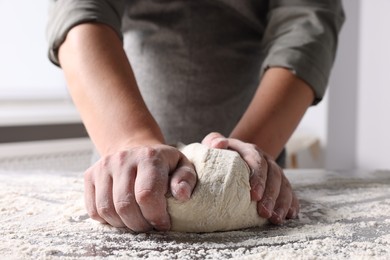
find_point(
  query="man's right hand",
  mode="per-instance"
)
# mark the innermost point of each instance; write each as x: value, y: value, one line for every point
x: 129, y: 188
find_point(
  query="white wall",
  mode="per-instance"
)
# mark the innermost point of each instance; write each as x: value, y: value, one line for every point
x: 25, y: 71
x: 333, y: 121
x: 314, y: 123
x: 359, y: 99
x: 343, y: 93
x: 373, y: 135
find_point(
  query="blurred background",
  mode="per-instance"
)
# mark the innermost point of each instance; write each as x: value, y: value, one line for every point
x: 348, y: 130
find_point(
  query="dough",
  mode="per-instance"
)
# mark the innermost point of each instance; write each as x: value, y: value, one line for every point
x: 221, y: 199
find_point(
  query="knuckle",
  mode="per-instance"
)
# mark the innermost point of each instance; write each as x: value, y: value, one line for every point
x: 105, y: 212
x: 253, y: 147
x: 123, y: 207
x: 188, y: 171
x: 249, y: 149
x: 253, y: 163
x: 88, y: 174
x: 151, y: 155
x: 149, y: 152
x: 258, y: 150
x: 145, y: 197
x: 104, y: 165
x: 184, y: 174
x: 214, y: 135
x: 106, y: 162
x: 94, y: 214
x: 122, y: 157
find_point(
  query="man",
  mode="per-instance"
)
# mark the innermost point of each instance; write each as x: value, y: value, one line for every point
x: 235, y: 74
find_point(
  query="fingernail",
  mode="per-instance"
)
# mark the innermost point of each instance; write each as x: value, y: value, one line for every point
x: 183, y: 191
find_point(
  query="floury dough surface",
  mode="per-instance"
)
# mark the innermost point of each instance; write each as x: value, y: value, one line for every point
x: 221, y: 199
x: 343, y: 216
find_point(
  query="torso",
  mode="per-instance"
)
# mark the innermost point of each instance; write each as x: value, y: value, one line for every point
x: 197, y: 64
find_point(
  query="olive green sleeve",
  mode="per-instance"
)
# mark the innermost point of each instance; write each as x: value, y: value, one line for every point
x: 65, y: 14
x: 302, y: 35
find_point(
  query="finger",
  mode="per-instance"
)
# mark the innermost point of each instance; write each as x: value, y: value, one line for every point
x: 89, y: 196
x: 283, y: 202
x: 258, y: 178
x: 294, y: 209
x: 266, y: 205
x: 257, y: 164
x: 104, y: 197
x: 215, y: 140
x: 150, y: 188
x: 183, y: 180
x: 125, y: 203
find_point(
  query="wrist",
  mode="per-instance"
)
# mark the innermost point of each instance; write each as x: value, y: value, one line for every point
x: 141, y: 138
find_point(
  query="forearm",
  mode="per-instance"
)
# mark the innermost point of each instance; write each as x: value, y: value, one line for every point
x: 275, y: 111
x: 104, y: 90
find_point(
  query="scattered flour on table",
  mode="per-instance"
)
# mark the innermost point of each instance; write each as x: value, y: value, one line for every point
x: 42, y: 216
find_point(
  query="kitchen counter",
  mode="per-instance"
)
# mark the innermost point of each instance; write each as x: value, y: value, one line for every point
x: 343, y: 215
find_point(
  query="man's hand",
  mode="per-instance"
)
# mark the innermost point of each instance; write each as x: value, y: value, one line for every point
x: 275, y: 198
x: 128, y: 188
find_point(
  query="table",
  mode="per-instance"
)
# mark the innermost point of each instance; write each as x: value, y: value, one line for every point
x: 343, y: 215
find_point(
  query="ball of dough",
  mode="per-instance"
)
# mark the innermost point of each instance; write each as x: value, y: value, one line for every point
x: 221, y: 199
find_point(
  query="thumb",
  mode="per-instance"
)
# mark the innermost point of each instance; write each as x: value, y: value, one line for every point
x: 183, y: 180
x: 215, y: 140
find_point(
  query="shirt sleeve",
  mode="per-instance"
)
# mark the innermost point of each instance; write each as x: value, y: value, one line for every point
x: 65, y: 14
x: 302, y: 35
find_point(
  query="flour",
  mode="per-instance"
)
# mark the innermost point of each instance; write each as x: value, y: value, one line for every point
x: 42, y: 217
